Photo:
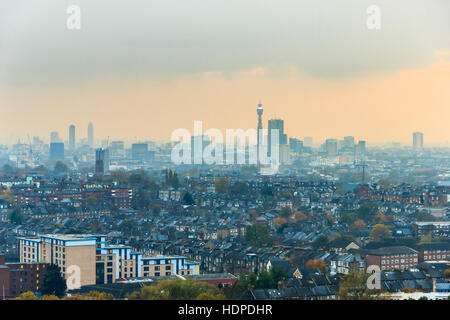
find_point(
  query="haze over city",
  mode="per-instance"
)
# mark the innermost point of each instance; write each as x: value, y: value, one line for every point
x: 316, y: 66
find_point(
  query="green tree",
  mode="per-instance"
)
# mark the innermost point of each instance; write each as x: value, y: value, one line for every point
x: 54, y: 283
x: 320, y: 243
x: 348, y: 217
x: 286, y: 212
x: 239, y: 188
x: 210, y: 296
x: 385, y: 183
x: 222, y: 185
x: 27, y: 296
x: 258, y: 235
x: 380, y: 232
x: 188, y: 199
x: 366, y: 211
x: 60, y: 167
x: 16, y: 216
x: 91, y: 295
x: 353, y: 286
x: 176, y: 289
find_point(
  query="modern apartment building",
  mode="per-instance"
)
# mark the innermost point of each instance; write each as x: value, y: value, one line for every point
x: 100, y: 262
x: 64, y: 251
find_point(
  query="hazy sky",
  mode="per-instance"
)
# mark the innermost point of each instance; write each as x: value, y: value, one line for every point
x: 139, y: 69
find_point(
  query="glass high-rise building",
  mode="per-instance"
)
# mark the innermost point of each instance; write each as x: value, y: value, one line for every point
x: 90, y: 134
x: 275, y: 124
x: 56, y: 151
x: 72, y: 137
x: 417, y: 140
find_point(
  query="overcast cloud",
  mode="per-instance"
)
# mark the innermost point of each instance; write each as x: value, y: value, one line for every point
x: 166, y: 38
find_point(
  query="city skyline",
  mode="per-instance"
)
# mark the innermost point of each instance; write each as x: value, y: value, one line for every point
x: 379, y: 85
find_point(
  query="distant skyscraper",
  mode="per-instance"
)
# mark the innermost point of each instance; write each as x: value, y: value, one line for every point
x: 308, y: 142
x: 139, y: 151
x: 331, y: 146
x: 54, y: 137
x: 90, y: 134
x: 349, y: 142
x: 276, y: 124
x: 295, y: 145
x: 72, y: 137
x: 56, y: 151
x: 417, y: 140
x: 117, y: 150
x: 101, y: 161
x: 259, y: 111
x: 360, y: 149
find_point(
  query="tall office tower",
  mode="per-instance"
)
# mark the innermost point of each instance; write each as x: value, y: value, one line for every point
x: 139, y: 151
x: 360, y: 149
x: 72, y: 137
x: 54, y: 137
x: 117, y: 150
x: 308, y: 142
x: 101, y: 161
x: 296, y: 145
x: 90, y: 134
x: 348, y: 143
x: 275, y: 124
x: 417, y: 140
x: 331, y: 147
x: 284, y: 154
x: 56, y: 151
x: 259, y: 111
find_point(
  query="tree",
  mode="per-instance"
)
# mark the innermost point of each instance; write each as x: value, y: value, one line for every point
x: 172, y: 179
x: 188, y: 199
x: 280, y: 221
x: 357, y: 225
x: 316, y: 264
x: 16, y: 216
x: 425, y: 216
x: 447, y: 274
x: 299, y: 216
x: 176, y: 289
x: 92, y: 295
x: 27, y: 296
x: 49, y: 297
x: 330, y: 218
x: 210, y: 296
x: 426, y: 238
x: 385, y: 183
x: 366, y: 211
x: 379, y: 233
x: 320, y: 242
x: 222, y: 185
x: 53, y: 282
x: 92, y: 201
x: 239, y: 188
x: 258, y: 235
x: 60, y: 167
x: 7, y: 195
x: 348, y: 217
x: 353, y: 286
x: 286, y: 212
